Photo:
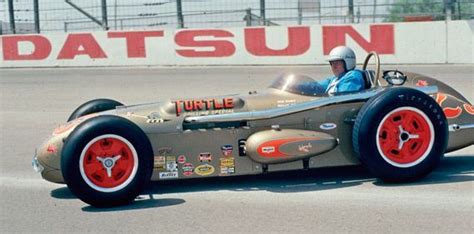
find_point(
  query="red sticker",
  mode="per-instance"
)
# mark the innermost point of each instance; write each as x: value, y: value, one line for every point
x: 188, y: 169
x: 181, y: 159
x: 52, y: 149
x: 422, y: 83
x: 271, y: 149
x: 205, y: 157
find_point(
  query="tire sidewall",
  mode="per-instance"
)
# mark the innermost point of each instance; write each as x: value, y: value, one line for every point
x: 370, y: 118
x: 94, y: 106
x: 84, y: 134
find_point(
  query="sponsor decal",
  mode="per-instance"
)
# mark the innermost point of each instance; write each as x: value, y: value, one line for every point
x: 271, y: 149
x: 227, y: 171
x: 155, y: 117
x: 203, y: 104
x: 421, y: 83
x: 283, y: 103
x: 328, y: 126
x: 155, y: 121
x: 164, y: 151
x: 227, y: 162
x: 204, y: 170
x: 305, y: 147
x: 242, y: 147
x: 227, y: 166
x: 171, y: 164
x: 227, y: 150
x: 205, y: 157
x: 181, y: 159
x: 159, y: 162
x: 168, y: 175
x: 268, y: 149
x: 193, y: 43
x: 188, y: 169
x: 152, y: 118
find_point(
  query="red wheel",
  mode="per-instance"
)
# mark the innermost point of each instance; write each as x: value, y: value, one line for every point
x: 108, y: 163
x: 400, y: 134
x: 405, y: 137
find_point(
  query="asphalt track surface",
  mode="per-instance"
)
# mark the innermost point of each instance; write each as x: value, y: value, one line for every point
x: 348, y: 199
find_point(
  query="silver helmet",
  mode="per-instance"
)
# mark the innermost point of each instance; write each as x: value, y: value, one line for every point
x: 343, y: 53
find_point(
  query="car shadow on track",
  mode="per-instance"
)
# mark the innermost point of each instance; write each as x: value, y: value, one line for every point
x: 452, y: 169
x: 139, y: 204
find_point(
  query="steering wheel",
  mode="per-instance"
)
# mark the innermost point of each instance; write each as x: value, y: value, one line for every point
x: 377, y: 65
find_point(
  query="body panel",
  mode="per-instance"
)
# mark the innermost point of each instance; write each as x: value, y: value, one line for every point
x: 206, y: 137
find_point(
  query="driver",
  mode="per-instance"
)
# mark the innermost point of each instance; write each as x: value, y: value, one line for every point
x: 346, y: 79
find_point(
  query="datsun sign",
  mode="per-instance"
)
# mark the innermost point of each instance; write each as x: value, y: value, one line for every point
x: 235, y: 46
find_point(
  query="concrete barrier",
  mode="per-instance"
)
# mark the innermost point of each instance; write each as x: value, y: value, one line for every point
x: 397, y: 43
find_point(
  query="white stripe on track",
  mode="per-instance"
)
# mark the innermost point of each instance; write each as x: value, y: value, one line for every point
x: 15, y: 182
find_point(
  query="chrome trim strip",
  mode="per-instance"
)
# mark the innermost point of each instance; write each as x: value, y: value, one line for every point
x: 457, y: 127
x: 35, y: 163
x: 295, y: 108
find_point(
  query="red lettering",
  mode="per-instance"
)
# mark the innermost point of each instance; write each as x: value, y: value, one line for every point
x: 41, y: 47
x: 198, y: 105
x: 178, y: 107
x: 135, y: 41
x: 81, y: 44
x: 381, y: 38
x: 221, y: 48
x: 188, y: 105
x: 228, y: 103
x: 298, y: 42
x: 208, y: 103
x: 217, y: 105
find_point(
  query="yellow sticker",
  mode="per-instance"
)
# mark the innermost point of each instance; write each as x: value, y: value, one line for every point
x: 227, y: 162
x: 204, y: 170
x: 159, y: 162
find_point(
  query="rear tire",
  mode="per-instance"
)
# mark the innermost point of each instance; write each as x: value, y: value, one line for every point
x: 94, y: 106
x: 400, y: 135
x: 106, y: 161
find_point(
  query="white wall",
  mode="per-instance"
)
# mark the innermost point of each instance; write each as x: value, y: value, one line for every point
x: 397, y: 43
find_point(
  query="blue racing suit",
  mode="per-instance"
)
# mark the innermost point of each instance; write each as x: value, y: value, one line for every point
x: 349, y: 81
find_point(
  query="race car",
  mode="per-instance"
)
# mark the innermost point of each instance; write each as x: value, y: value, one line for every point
x: 398, y: 127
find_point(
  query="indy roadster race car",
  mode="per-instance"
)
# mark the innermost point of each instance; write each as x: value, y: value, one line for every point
x: 399, y: 128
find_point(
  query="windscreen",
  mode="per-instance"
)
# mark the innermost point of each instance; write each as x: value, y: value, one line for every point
x: 298, y: 84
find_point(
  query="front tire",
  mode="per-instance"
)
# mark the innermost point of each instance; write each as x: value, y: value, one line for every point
x: 94, y: 106
x: 106, y: 161
x: 400, y: 135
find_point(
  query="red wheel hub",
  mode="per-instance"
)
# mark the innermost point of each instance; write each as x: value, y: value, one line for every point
x: 405, y: 136
x: 108, y: 162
